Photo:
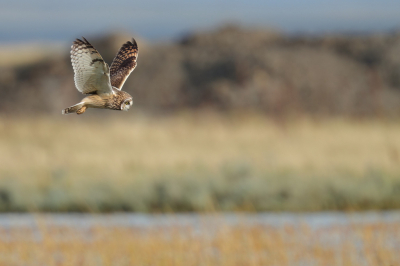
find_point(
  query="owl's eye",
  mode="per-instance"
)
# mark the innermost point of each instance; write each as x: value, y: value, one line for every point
x: 127, y: 103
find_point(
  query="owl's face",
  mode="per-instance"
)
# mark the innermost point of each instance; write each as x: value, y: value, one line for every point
x: 126, y: 104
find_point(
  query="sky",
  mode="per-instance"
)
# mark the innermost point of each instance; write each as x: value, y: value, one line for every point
x: 44, y: 20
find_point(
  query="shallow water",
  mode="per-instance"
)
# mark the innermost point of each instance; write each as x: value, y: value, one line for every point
x: 317, y: 220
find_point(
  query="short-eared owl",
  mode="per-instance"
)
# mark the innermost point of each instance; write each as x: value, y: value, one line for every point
x: 102, y: 84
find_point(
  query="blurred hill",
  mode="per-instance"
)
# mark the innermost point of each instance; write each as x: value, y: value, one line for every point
x: 231, y: 68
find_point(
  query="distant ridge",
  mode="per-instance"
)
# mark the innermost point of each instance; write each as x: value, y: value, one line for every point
x: 234, y: 68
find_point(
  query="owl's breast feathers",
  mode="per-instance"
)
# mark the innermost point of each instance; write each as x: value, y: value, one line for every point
x: 107, y: 101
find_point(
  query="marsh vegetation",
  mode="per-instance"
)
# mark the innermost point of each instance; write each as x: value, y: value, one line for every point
x: 198, y: 162
x: 215, y: 239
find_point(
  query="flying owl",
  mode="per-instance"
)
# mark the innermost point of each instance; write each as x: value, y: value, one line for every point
x: 102, y: 84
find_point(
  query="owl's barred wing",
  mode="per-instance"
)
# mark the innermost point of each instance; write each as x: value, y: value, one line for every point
x: 124, y: 63
x: 92, y: 74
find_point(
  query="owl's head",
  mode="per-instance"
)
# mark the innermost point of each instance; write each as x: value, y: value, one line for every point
x: 126, y: 104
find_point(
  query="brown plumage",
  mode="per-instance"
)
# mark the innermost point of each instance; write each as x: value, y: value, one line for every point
x: 124, y: 63
x: 94, y: 78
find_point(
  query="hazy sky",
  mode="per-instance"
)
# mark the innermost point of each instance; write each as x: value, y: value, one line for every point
x: 26, y: 20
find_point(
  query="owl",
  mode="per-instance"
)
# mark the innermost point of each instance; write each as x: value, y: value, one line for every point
x: 101, y: 84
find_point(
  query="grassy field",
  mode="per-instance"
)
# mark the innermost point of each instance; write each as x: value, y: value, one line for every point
x: 345, y: 245
x: 197, y: 162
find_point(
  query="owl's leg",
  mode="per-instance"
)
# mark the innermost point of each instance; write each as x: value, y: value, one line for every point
x: 82, y: 110
x: 74, y: 109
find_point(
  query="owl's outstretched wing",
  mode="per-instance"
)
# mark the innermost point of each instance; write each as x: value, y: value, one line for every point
x: 92, y: 74
x: 124, y: 63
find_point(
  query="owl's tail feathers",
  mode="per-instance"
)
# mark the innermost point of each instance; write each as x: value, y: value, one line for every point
x: 77, y: 108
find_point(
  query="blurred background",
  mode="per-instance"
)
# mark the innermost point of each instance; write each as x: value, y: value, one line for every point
x: 257, y: 127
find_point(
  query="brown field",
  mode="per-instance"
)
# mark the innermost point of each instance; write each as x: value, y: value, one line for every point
x: 197, y: 162
x: 15, y: 55
x: 224, y: 244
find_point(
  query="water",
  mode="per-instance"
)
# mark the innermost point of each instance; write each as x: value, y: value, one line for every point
x: 314, y: 221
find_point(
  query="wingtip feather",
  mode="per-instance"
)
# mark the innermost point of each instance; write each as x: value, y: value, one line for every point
x: 78, y: 41
x: 131, y: 43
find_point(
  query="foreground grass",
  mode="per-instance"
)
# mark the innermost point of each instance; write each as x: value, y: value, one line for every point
x: 223, y: 244
x: 197, y: 163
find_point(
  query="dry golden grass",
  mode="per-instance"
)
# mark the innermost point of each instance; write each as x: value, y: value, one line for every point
x: 77, y: 162
x: 184, y: 141
x: 372, y: 244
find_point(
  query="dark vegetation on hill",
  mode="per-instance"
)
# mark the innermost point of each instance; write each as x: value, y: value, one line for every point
x: 232, y: 69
